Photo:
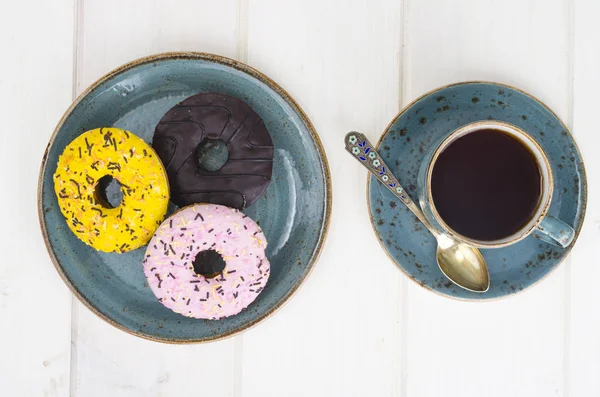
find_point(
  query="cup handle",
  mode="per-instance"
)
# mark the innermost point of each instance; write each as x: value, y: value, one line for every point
x: 555, y: 231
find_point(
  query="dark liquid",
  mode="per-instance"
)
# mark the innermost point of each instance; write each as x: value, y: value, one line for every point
x: 486, y: 185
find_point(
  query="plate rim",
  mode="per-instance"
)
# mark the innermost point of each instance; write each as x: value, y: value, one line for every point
x: 584, y: 191
x: 244, y: 68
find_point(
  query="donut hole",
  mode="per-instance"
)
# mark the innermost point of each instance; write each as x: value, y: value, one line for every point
x: 212, y: 154
x: 209, y: 263
x: 108, y: 192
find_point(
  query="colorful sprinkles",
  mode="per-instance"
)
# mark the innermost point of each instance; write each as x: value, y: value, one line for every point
x: 130, y: 161
x: 169, y: 268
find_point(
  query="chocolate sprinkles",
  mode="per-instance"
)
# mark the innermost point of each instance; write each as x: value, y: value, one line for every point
x: 78, y: 187
x: 88, y: 146
x: 113, y: 166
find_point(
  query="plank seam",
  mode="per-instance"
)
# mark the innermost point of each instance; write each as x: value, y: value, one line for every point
x: 76, y: 84
x: 242, y: 31
x: 238, y: 351
x: 570, y: 59
x: 404, y: 284
x: 77, y: 46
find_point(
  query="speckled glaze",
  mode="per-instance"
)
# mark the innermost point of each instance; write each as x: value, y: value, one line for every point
x: 294, y: 212
x: 420, y: 126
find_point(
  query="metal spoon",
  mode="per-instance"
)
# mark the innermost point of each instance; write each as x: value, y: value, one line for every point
x: 462, y: 264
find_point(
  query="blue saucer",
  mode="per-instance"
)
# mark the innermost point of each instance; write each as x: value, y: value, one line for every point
x: 420, y: 125
x: 294, y: 211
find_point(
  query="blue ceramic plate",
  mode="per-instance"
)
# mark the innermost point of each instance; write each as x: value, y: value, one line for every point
x: 293, y: 212
x: 419, y: 126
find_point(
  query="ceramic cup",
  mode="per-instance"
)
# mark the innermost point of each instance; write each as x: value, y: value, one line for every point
x: 547, y: 228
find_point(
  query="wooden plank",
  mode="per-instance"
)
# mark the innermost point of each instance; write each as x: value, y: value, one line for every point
x: 110, y: 362
x: 340, y: 61
x: 113, y: 363
x: 115, y: 33
x: 584, y: 328
x: 36, y: 76
x: 511, y: 347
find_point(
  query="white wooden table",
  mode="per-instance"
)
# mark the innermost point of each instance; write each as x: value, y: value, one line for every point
x: 351, y: 64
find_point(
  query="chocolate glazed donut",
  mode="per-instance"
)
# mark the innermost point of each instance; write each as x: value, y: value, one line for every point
x: 247, y: 172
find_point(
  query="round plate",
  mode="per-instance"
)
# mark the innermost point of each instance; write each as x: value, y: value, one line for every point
x: 410, y: 245
x: 293, y: 213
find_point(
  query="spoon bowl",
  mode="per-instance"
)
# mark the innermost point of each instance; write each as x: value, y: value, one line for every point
x: 462, y: 264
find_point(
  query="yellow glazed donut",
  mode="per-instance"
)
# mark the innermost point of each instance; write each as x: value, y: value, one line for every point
x: 131, y: 162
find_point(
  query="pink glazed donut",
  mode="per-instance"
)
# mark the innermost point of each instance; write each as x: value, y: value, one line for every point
x: 172, y: 269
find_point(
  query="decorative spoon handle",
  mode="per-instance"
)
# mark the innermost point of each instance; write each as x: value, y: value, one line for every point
x: 361, y: 149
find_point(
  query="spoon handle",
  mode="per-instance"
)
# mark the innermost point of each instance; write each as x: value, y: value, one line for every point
x: 361, y: 149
